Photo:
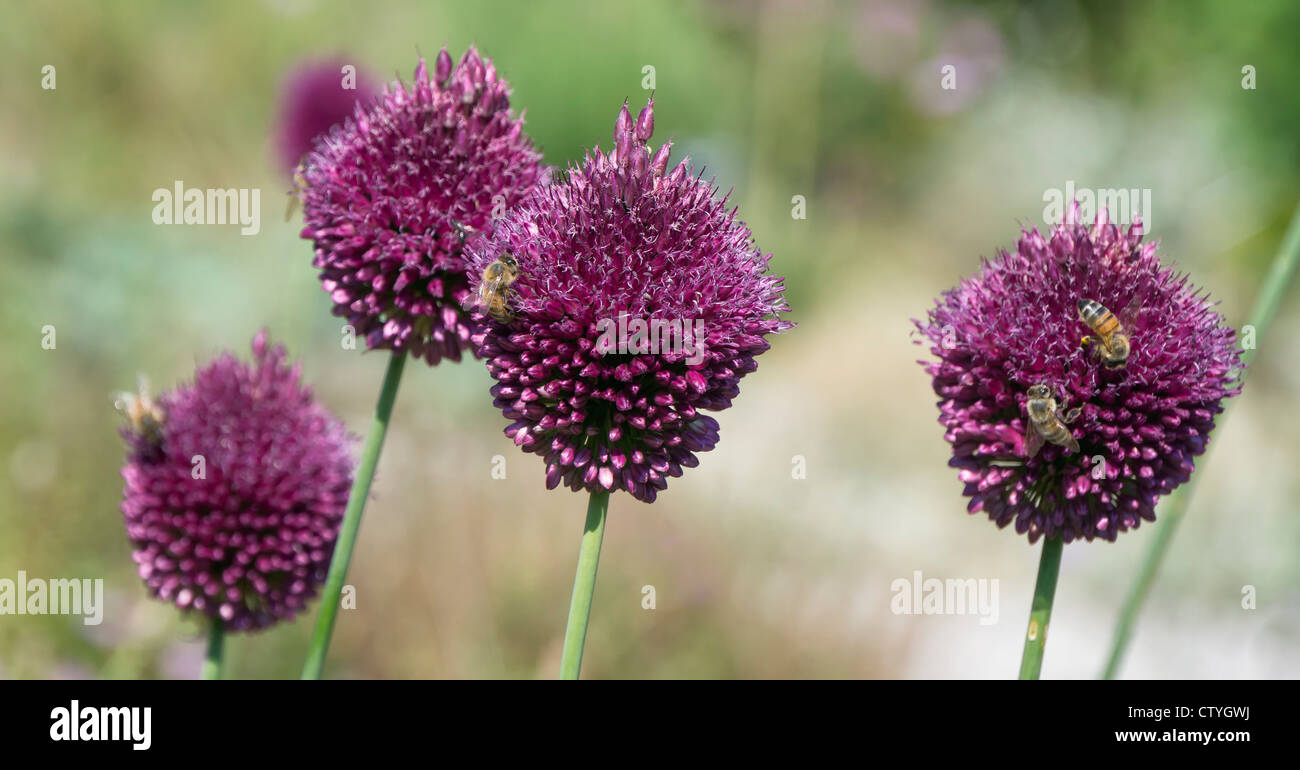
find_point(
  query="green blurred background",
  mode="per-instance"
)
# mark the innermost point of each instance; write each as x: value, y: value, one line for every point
x: 756, y: 573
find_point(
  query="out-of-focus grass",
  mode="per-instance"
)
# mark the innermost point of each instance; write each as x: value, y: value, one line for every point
x: 756, y: 574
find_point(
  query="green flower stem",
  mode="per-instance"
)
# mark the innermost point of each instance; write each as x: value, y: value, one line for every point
x: 1274, y: 288
x: 584, y: 586
x: 1040, y: 612
x: 329, y: 605
x: 212, y: 661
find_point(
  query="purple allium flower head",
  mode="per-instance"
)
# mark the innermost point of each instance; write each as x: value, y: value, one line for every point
x: 245, y: 533
x: 392, y: 196
x: 314, y: 98
x: 621, y: 242
x: 1016, y: 324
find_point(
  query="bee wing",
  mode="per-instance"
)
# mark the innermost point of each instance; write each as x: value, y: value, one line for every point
x: 295, y: 195
x: 1128, y: 316
x: 1033, y: 439
x: 292, y: 206
x: 1073, y: 445
x: 477, y: 299
x: 473, y: 301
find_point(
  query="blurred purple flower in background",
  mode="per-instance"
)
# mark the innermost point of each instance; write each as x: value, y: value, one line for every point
x: 623, y: 241
x: 972, y: 46
x: 1016, y: 324
x: 391, y: 199
x: 913, y: 44
x: 316, y: 96
x: 235, y: 490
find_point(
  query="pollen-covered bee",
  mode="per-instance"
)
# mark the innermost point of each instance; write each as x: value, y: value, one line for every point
x: 143, y: 414
x: 1111, y: 343
x: 1046, y: 421
x: 494, y: 290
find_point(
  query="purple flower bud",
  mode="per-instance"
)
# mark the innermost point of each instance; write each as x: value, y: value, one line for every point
x: 391, y: 200
x: 233, y: 504
x: 313, y: 99
x: 669, y: 251
x: 645, y: 122
x: 659, y: 163
x: 623, y: 124
x: 623, y: 147
x: 442, y: 69
x: 473, y: 65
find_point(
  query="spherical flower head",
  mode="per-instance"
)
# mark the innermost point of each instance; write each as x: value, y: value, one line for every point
x: 640, y: 302
x: 391, y: 198
x: 1017, y: 324
x: 235, y: 493
x: 316, y: 96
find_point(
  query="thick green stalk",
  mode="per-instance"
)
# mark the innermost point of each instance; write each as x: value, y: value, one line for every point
x: 329, y: 605
x: 1040, y: 612
x: 212, y: 661
x: 584, y: 586
x: 1271, y: 293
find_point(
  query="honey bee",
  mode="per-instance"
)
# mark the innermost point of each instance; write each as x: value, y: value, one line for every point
x: 463, y: 232
x: 295, y: 195
x: 1111, y: 343
x: 1047, y: 422
x: 143, y: 414
x: 494, y: 290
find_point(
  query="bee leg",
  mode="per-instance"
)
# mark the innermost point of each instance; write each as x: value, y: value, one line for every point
x: 1072, y: 415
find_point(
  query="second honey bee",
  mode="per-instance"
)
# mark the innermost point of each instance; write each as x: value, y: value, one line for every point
x: 295, y: 195
x: 1111, y: 343
x: 494, y: 290
x: 142, y: 413
x: 1047, y: 422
